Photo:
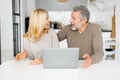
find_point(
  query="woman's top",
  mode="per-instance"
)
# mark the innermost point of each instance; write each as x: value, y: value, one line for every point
x: 34, y: 49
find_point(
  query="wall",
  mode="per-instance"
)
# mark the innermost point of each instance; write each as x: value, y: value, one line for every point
x: 53, y: 5
x: 0, y: 36
x: 102, y: 13
x: 6, y: 28
x: 23, y: 13
x: 99, y: 13
x: 27, y: 6
x: 60, y: 16
x: 30, y: 6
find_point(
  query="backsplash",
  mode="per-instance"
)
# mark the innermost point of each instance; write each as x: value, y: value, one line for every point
x: 99, y: 17
x: 60, y: 16
x: 100, y: 13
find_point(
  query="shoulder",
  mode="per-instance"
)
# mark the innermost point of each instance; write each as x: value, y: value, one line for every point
x: 94, y: 27
x: 25, y: 39
x: 67, y: 27
x: 51, y: 31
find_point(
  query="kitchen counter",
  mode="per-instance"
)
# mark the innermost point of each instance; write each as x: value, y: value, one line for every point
x: 21, y: 70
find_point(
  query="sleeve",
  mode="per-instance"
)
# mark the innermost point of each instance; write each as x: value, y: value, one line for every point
x: 62, y: 34
x: 54, y: 39
x: 97, y: 45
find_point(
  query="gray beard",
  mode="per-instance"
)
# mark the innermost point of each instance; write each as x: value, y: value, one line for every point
x: 74, y: 28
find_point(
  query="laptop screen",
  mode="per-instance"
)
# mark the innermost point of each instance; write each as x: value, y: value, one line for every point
x: 60, y: 57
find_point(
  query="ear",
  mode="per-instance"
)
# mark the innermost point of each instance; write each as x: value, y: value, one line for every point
x: 84, y: 21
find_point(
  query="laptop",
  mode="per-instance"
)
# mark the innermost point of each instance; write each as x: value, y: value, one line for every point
x: 61, y: 58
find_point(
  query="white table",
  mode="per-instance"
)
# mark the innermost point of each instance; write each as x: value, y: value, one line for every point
x: 14, y: 70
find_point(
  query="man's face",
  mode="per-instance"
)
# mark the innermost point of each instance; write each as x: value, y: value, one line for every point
x: 75, y: 20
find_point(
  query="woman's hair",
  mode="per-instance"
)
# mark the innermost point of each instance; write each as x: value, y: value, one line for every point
x: 83, y: 10
x: 37, y: 25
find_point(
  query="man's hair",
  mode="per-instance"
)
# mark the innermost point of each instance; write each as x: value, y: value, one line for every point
x: 83, y: 10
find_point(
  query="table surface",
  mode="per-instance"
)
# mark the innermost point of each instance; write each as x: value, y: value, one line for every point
x: 21, y: 70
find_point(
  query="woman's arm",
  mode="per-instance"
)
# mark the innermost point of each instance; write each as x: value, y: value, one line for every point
x: 22, y: 55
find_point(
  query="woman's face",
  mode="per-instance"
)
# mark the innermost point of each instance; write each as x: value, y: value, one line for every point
x: 47, y: 22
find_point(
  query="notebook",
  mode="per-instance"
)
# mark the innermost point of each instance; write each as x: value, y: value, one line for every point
x: 61, y: 58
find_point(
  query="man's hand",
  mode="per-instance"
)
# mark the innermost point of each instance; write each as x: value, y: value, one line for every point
x: 21, y: 55
x: 88, y: 60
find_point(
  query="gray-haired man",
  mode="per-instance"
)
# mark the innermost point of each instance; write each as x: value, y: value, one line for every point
x: 84, y: 35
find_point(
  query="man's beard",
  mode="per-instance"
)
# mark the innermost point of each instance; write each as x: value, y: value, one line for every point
x: 76, y: 27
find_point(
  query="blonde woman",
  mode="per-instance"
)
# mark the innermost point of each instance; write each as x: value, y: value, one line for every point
x: 38, y: 37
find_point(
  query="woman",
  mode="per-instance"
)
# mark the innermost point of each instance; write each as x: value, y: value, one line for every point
x: 38, y: 37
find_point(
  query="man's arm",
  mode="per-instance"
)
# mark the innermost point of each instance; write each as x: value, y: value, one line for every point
x: 97, y: 46
x: 62, y: 34
x: 97, y: 49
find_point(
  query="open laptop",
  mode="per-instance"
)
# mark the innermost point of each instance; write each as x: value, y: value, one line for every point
x: 61, y: 58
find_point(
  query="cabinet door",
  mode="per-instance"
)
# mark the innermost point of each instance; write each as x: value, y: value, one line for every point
x: 16, y: 26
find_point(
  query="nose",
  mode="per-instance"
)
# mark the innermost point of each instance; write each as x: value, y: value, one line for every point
x: 48, y: 19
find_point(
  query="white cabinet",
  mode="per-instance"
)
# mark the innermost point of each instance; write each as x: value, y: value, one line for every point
x: 109, y: 54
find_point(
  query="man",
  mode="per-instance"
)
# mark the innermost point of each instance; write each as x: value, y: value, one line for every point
x: 84, y: 35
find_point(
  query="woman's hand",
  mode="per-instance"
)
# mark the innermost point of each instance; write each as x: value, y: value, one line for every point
x: 36, y: 61
x: 21, y: 56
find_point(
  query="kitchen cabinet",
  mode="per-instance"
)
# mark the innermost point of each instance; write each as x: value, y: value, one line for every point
x: 16, y: 26
x: 54, y: 5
